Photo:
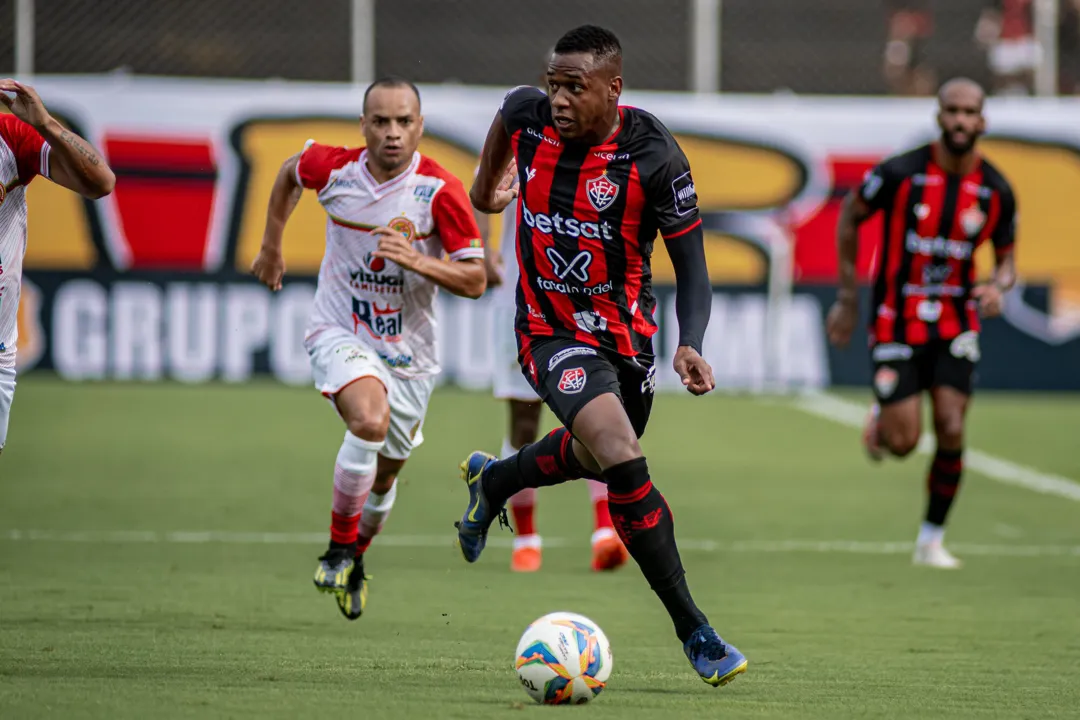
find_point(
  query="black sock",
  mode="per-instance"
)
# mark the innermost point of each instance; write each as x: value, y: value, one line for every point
x: 548, y: 461
x: 348, y: 548
x: 942, y: 483
x: 643, y: 520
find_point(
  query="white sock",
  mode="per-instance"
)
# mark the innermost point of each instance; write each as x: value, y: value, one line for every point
x: 376, y: 509
x: 602, y: 534
x: 508, y: 450
x: 930, y: 534
x: 526, y: 541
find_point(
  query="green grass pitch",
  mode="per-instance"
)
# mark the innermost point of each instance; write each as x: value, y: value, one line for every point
x: 108, y: 610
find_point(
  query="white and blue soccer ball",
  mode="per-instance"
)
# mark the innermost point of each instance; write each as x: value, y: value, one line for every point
x: 563, y: 658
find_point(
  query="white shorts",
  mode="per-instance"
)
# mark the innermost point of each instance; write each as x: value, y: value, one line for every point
x: 338, y: 358
x: 7, y: 394
x: 507, y: 379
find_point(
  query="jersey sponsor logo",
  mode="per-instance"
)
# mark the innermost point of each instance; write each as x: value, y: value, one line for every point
x: 601, y: 192
x: 611, y: 156
x: 590, y: 322
x: 885, y: 381
x: 685, y: 194
x: 936, y: 274
x: 886, y: 352
x: 578, y: 267
x: 572, y: 381
x: 937, y: 247
x: 872, y: 183
x: 921, y: 210
x: 543, y: 137
x: 375, y: 264
x: 648, y: 385
x: 567, y: 353
x: 567, y: 227
x: 374, y: 278
x: 424, y: 193
x: 966, y: 346
x: 972, y: 220
x: 382, y: 323
x: 929, y: 311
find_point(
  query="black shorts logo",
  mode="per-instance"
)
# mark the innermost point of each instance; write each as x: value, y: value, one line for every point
x: 572, y: 381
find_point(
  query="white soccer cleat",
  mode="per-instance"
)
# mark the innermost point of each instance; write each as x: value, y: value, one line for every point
x: 934, y: 554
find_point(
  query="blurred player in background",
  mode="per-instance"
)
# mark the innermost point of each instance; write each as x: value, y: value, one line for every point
x: 941, y: 201
x: 32, y: 142
x: 597, y: 183
x: 392, y: 213
x: 525, y: 407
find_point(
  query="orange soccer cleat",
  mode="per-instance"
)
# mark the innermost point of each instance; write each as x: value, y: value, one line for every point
x: 608, y: 552
x: 525, y: 559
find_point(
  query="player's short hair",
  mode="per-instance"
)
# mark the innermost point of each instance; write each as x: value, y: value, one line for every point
x: 601, y: 42
x: 391, y: 81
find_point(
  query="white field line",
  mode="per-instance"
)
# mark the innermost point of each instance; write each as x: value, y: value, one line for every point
x: 202, y: 537
x: 1005, y: 471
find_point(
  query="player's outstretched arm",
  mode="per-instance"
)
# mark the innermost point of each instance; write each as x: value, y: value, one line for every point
x: 269, y: 264
x: 73, y: 162
x: 844, y: 313
x: 494, y: 188
x: 693, y: 306
x: 465, y: 278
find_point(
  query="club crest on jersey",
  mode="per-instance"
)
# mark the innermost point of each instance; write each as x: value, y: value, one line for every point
x: 601, y: 191
x: 403, y: 225
x: 972, y: 220
x: 885, y: 381
x: 572, y: 381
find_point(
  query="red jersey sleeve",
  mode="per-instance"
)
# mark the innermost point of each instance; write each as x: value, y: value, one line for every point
x: 455, y: 223
x: 29, y: 148
x: 318, y: 161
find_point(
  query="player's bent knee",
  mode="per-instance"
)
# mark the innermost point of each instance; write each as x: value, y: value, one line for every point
x: 372, y: 429
x: 949, y: 429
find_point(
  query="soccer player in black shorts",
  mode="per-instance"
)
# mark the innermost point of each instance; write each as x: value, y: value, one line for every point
x: 597, y: 182
x: 940, y: 201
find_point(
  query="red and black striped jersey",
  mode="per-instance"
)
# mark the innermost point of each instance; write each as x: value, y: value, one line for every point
x: 934, y: 221
x: 587, y: 219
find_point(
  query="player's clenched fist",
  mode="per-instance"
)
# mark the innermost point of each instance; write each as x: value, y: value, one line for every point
x: 696, y: 374
x: 269, y: 267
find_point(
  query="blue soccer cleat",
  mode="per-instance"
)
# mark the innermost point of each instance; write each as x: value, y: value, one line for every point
x: 715, y: 661
x: 473, y: 527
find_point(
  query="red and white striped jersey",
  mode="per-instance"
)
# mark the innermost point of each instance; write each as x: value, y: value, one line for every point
x: 390, y: 310
x: 23, y: 154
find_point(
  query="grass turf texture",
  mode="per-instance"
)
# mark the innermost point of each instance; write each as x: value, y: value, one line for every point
x: 209, y: 629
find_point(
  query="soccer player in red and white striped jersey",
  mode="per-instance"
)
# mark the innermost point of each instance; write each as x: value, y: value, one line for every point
x: 32, y: 143
x: 940, y: 201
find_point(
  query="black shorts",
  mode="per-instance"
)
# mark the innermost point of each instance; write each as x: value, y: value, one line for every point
x: 901, y: 371
x: 567, y: 374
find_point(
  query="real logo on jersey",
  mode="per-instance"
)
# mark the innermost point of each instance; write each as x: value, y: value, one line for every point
x: 885, y: 381
x: 578, y: 267
x: 403, y: 225
x: 572, y: 381
x: 972, y: 220
x: 601, y: 192
x: 382, y: 323
x: 685, y: 194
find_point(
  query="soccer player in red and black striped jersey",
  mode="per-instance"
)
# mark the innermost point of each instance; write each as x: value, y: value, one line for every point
x: 940, y: 202
x: 597, y: 182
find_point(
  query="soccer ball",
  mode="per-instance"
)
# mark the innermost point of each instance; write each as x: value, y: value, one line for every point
x: 563, y: 658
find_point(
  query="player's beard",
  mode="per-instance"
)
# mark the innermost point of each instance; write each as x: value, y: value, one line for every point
x: 958, y: 148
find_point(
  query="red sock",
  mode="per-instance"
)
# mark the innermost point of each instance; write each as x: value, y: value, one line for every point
x: 362, y: 544
x: 601, y: 515
x: 524, y: 519
x: 344, y: 528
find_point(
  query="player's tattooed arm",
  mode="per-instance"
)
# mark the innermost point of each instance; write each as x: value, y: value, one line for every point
x: 269, y: 264
x: 73, y: 162
x: 844, y: 313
